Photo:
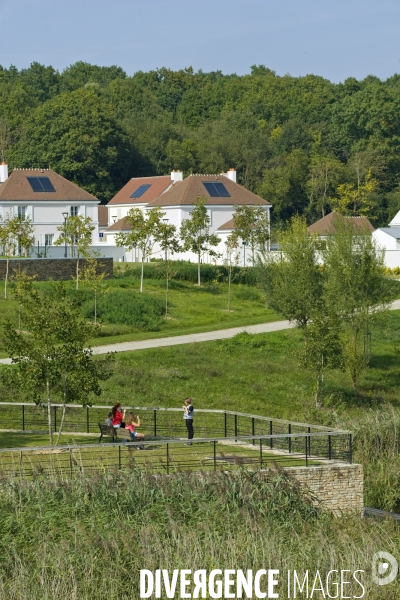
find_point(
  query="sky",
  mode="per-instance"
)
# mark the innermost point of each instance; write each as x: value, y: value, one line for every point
x: 336, y: 39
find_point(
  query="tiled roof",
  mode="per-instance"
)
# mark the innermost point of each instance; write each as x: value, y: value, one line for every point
x: 186, y: 192
x: 394, y: 232
x: 230, y: 225
x: 120, y: 225
x: 158, y: 185
x: 227, y: 226
x: 18, y: 188
x: 103, y: 215
x: 328, y: 224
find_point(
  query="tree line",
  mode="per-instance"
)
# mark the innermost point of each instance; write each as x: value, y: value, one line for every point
x: 305, y: 144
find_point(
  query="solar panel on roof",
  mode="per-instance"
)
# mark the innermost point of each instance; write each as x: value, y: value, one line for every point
x: 41, y: 184
x: 141, y: 190
x: 216, y: 189
x: 35, y: 185
x: 221, y: 189
x: 47, y: 185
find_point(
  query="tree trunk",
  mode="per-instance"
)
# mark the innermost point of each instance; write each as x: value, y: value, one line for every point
x: 6, y: 279
x: 141, y: 275
x: 63, y: 414
x: 49, y: 412
x: 166, y: 300
x: 198, y: 270
x: 229, y: 288
x: 95, y: 305
x: 77, y: 272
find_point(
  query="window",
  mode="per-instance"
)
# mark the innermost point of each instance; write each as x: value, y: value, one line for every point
x: 216, y: 189
x: 41, y: 184
x: 22, y: 212
x: 74, y: 211
x: 48, y: 239
x: 141, y: 190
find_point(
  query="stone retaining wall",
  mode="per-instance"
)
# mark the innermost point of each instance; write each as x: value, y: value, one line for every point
x: 340, y: 488
x: 52, y: 268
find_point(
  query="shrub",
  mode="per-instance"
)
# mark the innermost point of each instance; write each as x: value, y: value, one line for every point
x: 187, y: 271
x: 127, y: 308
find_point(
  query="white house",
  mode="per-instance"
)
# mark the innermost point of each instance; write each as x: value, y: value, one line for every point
x: 47, y: 199
x: 176, y: 197
x: 388, y: 238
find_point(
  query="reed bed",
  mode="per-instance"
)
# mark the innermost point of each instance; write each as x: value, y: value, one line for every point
x: 88, y: 538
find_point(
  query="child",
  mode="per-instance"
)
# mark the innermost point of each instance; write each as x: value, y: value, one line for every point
x: 130, y: 425
x: 117, y: 416
x: 109, y: 420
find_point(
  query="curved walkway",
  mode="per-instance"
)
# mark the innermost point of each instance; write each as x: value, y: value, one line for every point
x: 207, y: 336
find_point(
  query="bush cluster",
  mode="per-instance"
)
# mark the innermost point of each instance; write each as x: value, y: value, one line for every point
x: 187, y: 271
x: 123, y: 308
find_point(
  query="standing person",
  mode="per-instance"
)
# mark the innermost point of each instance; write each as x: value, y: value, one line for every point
x: 130, y: 425
x: 118, y: 416
x: 188, y: 413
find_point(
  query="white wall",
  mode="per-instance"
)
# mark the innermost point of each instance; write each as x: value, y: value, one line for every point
x: 46, y: 217
x: 392, y: 258
x: 384, y: 240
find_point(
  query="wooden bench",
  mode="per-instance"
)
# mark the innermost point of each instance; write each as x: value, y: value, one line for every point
x: 123, y: 434
x: 107, y: 430
x: 116, y: 433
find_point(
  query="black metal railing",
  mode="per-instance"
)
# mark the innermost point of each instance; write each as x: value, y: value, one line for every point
x: 167, y: 456
x: 159, y: 422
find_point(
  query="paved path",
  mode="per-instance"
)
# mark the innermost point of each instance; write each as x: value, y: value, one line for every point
x: 207, y: 336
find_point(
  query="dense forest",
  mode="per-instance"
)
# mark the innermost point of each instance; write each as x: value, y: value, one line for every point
x: 303, y: 143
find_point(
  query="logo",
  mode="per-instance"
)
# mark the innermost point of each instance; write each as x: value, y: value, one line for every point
x: 384, y: 568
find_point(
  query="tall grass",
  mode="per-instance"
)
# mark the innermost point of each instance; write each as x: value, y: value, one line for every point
x: 88, y: 538
x: 377, y: 444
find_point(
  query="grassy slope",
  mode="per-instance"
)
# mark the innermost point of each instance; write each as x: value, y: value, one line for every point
x: 258, y: 374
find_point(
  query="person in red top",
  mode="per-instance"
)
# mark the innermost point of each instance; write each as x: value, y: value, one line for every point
x: 130, y: 425
x: 118, y: 416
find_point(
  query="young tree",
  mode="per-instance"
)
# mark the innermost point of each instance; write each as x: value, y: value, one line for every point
x: 294, y: 286
x: 356, y: 285
x: 169, y: 243
x: 76, y: 232
x: 23, y: 285
x: 232, y: 261
x: 50, y: 357
x: 144, y: 235
x: 15, y: 233
x: 322, y: 348
x: 92, y: 277
x: 195, y: 233
x: 293, y: 282
x: 252, y: 227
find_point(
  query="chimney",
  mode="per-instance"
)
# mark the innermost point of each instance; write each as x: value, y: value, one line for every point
x: 176, y: 176
x: 231, y: 174
x: 3, y: 172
